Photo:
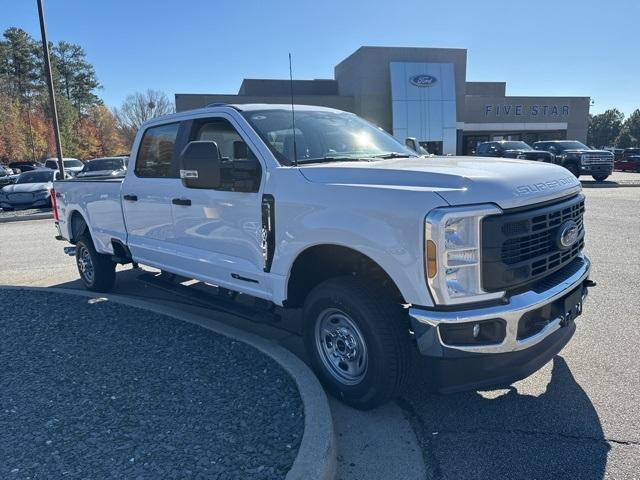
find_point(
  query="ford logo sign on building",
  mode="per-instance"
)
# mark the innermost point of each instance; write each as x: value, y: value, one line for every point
x: 423, y: 80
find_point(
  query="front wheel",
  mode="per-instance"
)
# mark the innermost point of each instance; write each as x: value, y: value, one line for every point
x: 97, y: 271
x: 358, y: 341
x: 600, y: 178
x: 574, y: 169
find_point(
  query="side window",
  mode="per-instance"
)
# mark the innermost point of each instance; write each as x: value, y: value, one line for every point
x: 241, y: 170
x: 219, y: 130
x: 156, y: 152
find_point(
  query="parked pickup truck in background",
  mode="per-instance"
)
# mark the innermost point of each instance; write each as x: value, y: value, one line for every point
x: 478, y: 265
x: 579, y: 159
x: 629, y: 160
x: 513, y: 149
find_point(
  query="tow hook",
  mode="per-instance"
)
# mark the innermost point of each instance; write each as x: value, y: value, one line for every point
x: 71, y: 251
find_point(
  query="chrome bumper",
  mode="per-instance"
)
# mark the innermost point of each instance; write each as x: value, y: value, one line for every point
x: 511, y: 313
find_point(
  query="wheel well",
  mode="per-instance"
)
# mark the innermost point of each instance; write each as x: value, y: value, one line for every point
x: 77, y: 226
x: 322, y: 262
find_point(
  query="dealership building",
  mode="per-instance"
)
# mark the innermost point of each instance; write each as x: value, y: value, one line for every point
x: 421, y: 93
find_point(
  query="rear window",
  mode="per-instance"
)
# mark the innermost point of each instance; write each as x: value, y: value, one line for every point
x: 104, y: 164
x: 156, y: 152
x: 37, y: 176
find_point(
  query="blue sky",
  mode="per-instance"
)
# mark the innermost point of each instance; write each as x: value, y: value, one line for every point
x: 541, y: 47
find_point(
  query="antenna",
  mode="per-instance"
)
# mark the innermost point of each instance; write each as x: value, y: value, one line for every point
x: 293, y: 115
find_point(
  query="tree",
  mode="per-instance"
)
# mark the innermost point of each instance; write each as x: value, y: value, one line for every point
x: 140, y: 107
x: 74, y: 76
x: 604, y: 128
x: 20, y: 65
x: 625, y: 140
x: 632, y: 124
x: 108, y: 136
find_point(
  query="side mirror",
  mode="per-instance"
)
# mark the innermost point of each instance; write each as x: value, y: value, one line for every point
x: 240, y: 150
x: 200, y: 165
x: 412, y: 143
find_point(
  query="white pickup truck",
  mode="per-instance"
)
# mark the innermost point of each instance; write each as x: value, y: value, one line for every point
x: 476, y: 263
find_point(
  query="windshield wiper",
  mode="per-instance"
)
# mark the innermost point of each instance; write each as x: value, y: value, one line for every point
x: 332, y: 159
x: 387, y: 156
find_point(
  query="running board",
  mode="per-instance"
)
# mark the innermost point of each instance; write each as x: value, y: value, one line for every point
x: 219, y: 299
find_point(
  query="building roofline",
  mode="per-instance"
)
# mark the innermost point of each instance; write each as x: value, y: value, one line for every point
x: 376, y: 47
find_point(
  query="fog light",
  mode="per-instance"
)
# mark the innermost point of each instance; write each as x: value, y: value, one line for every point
x: 486, y: 332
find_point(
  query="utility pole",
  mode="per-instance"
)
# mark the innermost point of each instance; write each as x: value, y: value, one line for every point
x: 52, y: 95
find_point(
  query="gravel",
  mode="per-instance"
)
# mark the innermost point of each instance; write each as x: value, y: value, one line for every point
x: 93, y: 389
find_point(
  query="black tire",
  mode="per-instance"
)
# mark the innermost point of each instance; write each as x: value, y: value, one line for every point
x: 380, y: 325
x: 97, y: 271
x: 574, y: 169
x: 600, y: 178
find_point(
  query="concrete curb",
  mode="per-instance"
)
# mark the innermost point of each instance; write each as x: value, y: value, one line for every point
x: 317, y: 457
x: 24, y: 218
x: 620, y: 184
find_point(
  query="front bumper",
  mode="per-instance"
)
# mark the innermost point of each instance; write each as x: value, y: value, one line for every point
x: 39, y: 203
x: 465, y: 366
x: 597, y: 169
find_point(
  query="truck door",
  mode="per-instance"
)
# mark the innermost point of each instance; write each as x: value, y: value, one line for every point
x: 218, y: 233
x: 147, y: 191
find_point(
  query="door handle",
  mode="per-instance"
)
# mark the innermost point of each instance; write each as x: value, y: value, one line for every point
x: 181, y: 201
x: 130, y: 198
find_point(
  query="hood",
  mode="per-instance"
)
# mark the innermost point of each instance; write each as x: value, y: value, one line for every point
x: 586, y: 150
x: 25, y: 187
x: 458, y: 180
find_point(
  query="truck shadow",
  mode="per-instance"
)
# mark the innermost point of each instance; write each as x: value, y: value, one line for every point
x: 556, y: 434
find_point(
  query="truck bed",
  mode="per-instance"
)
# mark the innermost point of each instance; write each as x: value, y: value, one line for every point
x: 98, y: 201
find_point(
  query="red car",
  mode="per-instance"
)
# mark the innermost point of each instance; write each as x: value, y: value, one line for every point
x: 630, y: 161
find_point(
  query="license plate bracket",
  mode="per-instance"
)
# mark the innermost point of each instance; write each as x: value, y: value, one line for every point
x: 571, y: 307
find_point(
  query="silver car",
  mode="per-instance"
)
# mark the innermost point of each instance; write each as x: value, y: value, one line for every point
x: 106, y: 166
x: 71, y: 165
x: 30, y: 190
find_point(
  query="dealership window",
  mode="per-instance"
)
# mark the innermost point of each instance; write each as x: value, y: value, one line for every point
x: 156, y: 152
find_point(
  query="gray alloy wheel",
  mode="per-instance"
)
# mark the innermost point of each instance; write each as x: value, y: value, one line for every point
x: 341, y: 346
x: 85, y: 264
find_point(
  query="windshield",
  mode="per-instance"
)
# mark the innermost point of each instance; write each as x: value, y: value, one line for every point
x: 571, y: 145
x: 37, y: 176
x: 515, y: 146
x: 323, y: 136
x: 73, y: 163
x: 104, y: 164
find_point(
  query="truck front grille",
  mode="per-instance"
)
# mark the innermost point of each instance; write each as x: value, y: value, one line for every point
x: 522, y: 247
x: 597, y: 159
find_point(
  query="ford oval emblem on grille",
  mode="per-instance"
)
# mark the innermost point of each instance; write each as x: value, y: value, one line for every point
x: 568, y: 234
x: 423, y: 80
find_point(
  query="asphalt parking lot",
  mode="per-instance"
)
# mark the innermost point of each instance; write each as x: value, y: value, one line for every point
x: 78, y: 400
x: 579, y: 417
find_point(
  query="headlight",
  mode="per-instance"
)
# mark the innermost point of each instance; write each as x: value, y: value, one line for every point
x: 453, y: 263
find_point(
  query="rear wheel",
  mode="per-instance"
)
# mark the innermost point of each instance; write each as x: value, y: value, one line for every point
x: 97, y: 271
x: 358, y: 341
x: 574, y: 169
x: 600, y: 178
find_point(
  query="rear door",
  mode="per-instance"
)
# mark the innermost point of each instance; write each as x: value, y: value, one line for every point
x: 147, y: 192
x: 218, y: 233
